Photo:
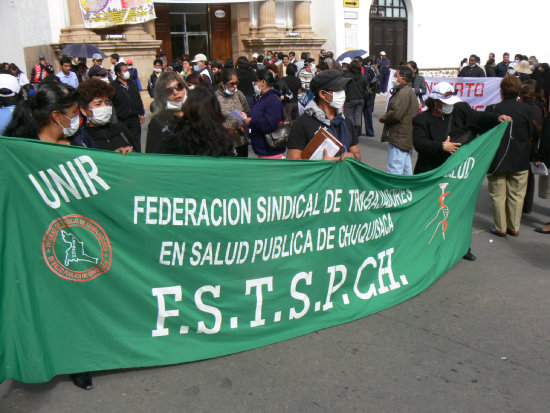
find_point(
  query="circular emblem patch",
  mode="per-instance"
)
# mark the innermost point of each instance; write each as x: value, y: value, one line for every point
x: 77, y: 248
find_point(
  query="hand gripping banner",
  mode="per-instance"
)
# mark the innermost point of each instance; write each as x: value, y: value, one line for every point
x: 112, y: 262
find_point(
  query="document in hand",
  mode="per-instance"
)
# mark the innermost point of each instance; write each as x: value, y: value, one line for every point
x: 539, y: 170
x: 321, y: 140
x: 237, y: 115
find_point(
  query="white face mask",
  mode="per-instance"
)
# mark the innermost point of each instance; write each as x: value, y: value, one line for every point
x: 157, y: 70
x: 338, y: 99
x: 394, y: 83
x: 511, y: 71
x: 196, y: 68
x: 191, y: 87
x: 71, y: 130
x: 532, y: 67
x: 171, y: 105
x: 257, y: 90
x: 102, y: 115
x: 126, y: 75
x: 228, y: 92
x: 105, y: 79
x: 312, y: 67
x: 446, y: 109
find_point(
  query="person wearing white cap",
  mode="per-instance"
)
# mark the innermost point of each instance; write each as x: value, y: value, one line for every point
x: 446, y: 116
x: 200, y: 59
x: 384, y: 67
x: 9, y: 97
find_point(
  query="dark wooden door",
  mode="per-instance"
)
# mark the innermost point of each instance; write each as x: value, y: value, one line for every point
x: 390, y: 36
x: 220, y: 31
x: 162, y: 28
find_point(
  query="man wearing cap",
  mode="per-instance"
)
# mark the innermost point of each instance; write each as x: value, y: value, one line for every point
x: 402, y: 108
x: 384, y: 67
x: 200, y: 59
x: 97, y: 60
x: 325, y: 110
x: 38, y: 71
x: 66, y: 75
x: 133, y: 73
x: 99, y: 72
x: 9, y: 97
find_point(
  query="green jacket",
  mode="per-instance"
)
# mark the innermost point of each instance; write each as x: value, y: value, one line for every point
x: 402, y: 108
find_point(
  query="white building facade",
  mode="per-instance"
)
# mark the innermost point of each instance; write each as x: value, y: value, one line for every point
x: 439, y: 33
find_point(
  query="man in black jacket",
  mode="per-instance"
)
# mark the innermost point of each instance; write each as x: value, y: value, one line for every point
x: 473, y: 69
x: 128, y: 105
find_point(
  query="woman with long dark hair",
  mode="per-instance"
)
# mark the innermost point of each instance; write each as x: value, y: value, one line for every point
x: 201, y: 130
x: 170, y: 94
x: 50, y: 115
x: 356, y: 90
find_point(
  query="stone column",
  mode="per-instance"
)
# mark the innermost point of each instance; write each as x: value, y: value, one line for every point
x: 77, y: 33
x: 136, y: 32
x: 267, y: 26
x: 302, y: 18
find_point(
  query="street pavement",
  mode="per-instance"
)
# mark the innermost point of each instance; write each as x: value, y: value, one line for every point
x: 478, y: 340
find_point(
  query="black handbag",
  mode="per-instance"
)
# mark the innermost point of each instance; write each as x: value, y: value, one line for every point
x: 279, y: 137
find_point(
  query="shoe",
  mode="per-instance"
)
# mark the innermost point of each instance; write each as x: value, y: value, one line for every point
x: 512, y: 233
x: 469, y: 256
x: 541, y: 231
x: 370, y: 135
x: 83, y: 380
x: 493, y: 231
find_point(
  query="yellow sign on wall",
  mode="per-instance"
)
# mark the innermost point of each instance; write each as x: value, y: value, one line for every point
x: 351, y: 3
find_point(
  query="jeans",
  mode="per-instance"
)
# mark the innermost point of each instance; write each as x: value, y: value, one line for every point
x: 399, y: 161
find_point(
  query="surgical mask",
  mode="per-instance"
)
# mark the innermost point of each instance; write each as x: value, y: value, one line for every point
x: 102, y: 115
x: 394, y: 83
x: 228, y: 92
x: 130, y: 67
x: 170, y: 105
x: 157, y: 70
x: 126, y: 75
x: 338, y: 99
x: 196, y: 68
x: 191, y: 87
x: 511, y: 71
x: 446, y: 109
x: 532, y: 67
x: 71, y: 130
x: 105, y: 79
x: 312, y: 67
x: 257, y: 90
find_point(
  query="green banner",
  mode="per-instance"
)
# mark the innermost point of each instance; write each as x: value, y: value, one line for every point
x: 111, y: 262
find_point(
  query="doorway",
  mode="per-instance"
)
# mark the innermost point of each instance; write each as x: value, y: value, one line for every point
x: 388, y: 30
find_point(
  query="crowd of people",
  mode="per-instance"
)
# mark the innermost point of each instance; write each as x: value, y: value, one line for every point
x: 204, y: 107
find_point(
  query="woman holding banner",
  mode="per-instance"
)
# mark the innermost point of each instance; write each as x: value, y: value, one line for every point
x: 446, y: 116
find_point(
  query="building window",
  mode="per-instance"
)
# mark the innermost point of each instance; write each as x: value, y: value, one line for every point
x: 188, y: 29
x: 390, y: 9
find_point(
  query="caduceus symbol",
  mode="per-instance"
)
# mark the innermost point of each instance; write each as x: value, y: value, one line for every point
x: 442, y: 214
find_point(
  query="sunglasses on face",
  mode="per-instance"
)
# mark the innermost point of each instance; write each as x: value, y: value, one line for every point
x: 179, y: 87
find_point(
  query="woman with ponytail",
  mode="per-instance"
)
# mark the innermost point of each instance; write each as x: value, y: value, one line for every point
x: 51, y: 115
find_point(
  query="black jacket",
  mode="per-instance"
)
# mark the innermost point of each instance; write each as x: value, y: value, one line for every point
x: 429, y: 133
x: 110, y: 136
x: 159, y: 132
x: 471, y: 71
x: 127, y: 101
x: 513, y: 153
x: 356, y: 89
x: 501, y: 69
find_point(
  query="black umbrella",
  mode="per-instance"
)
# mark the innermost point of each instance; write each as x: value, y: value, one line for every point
x: 81, y: 50
x: 351, y: 54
